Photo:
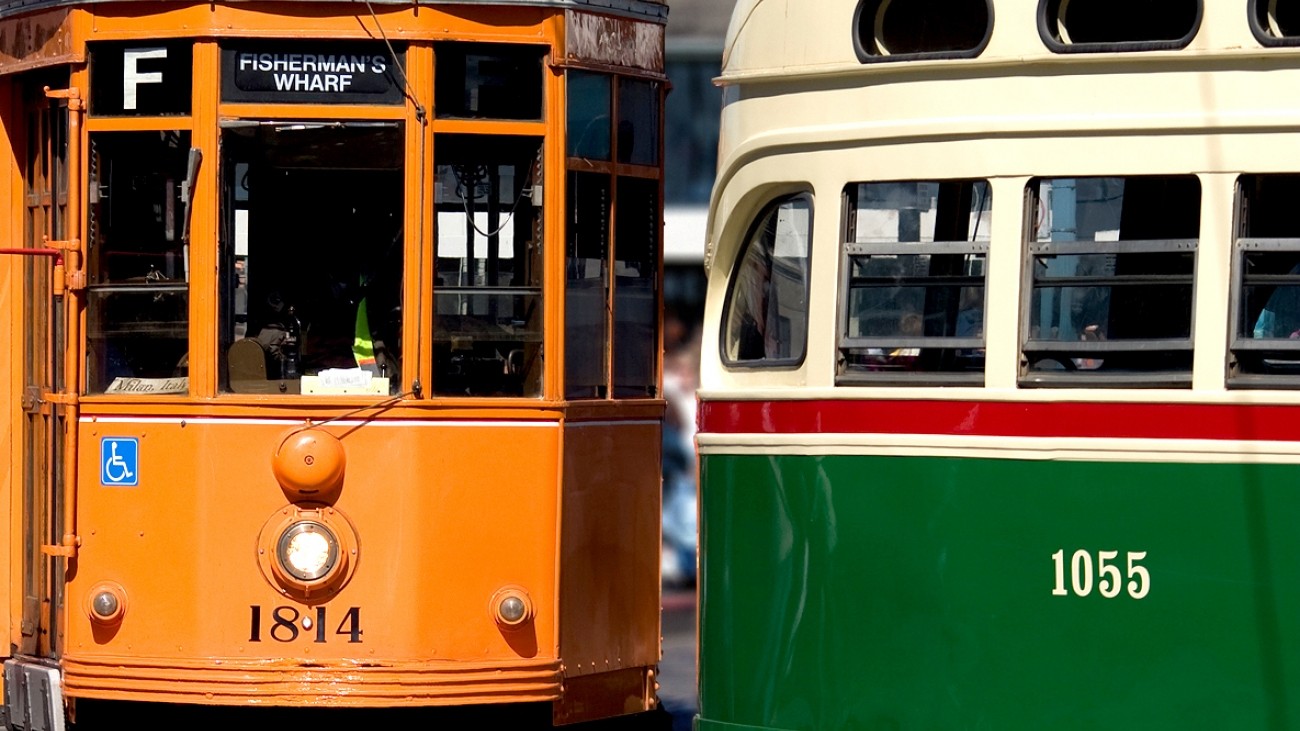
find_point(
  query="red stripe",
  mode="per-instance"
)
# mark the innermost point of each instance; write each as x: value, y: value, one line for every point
x: 1004, y: 419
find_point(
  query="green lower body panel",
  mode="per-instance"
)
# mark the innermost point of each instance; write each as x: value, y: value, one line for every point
x: 888, y: 593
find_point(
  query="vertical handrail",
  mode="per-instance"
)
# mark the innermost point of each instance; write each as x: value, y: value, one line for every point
x: 74, y: 286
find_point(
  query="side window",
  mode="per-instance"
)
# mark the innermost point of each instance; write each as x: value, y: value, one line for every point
x: 1266, y: 287
x: 765, y: 322
x: 1110, y: 281
x: 902, y: 29
x: 137, y: 298
x: 1112, y: 26
x: 913, y: 265
x: 612, y: 235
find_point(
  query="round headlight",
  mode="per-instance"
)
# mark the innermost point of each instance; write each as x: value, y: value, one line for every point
x: 308, y: 550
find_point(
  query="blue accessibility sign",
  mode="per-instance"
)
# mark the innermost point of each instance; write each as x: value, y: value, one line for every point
x: 119, y: 460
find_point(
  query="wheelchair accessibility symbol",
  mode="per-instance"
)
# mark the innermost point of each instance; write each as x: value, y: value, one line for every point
x: 119, y: 459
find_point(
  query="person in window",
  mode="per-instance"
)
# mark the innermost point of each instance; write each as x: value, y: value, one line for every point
x: 970, y: 324
x: 756, y: 336
x: 1090, y: 311
x: 970, y: 314
x: 1280, y: 317
x: 910, y: 325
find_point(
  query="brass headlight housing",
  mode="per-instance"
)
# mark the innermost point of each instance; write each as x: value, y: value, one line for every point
x: 308, y: 552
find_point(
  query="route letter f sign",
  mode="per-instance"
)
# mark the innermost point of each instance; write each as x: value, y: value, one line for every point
x: 132, y: 76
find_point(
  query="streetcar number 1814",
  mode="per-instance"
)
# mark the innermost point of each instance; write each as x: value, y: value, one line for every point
x: 288, y: 623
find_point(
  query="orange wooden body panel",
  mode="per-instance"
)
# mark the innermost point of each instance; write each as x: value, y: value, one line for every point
x: 610, y: 555
x: 437, y: 538
x: 39, y: 39
x: 479, y: 22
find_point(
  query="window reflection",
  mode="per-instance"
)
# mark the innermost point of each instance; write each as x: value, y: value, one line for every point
x: 638, y: 122
x: 590, y: 96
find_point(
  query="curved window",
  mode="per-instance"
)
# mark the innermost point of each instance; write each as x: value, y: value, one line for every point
x: 766, y: 315
x: 1099, y: 26
x: 1110, y: 281
x: 913, y: 268
x: 1275, y: 22
x: 886, y: 29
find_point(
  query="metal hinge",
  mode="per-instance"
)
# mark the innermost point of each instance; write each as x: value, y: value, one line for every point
x: 32, y: 401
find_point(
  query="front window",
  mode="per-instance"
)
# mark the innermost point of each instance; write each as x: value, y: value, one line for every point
x: 311, y: 257
x: 137, y: 298
x: 765, y: 322
x: 1110, y: 275
x: 914, y: 262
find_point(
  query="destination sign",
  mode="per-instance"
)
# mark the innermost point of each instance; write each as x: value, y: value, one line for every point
x: 315, y: 72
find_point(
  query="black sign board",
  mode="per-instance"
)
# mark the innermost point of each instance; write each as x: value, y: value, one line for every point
x: 141, y: 78
x: 314, y: 72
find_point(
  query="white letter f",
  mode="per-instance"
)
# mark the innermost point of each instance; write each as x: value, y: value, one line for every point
x: 131, y: 76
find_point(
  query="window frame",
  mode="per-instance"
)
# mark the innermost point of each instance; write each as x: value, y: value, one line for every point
x: 1064, y: 350
x: 847, y: 376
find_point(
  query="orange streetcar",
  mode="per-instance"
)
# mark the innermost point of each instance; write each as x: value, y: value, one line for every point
x: 332, y: 370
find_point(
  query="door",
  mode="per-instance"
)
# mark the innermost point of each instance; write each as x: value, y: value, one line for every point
x: 45, y: 195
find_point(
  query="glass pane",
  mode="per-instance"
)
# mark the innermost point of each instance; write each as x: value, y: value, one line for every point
x: 919, y: 212
x: 137, y: 314
x: 1124, y: 293
x: 311, y: 258
x: 767, y: 307
x: 636, y: 269
x: 638, y: 122
x: 488, y: 80
x: 590, y: 99
x: 1117, y: 209
x: 915, y: 311
x: 488, y: 286
x: 1151, y: 297
x: 586, y: 325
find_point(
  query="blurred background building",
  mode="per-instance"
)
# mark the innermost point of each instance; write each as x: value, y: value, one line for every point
x: 696, y: 29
